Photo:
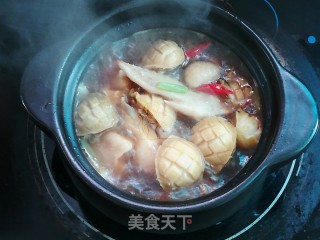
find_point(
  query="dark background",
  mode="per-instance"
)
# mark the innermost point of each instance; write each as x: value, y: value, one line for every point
x: 27, y: 27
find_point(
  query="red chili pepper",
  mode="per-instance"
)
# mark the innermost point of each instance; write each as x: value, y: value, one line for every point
x: 194, y: 51
x: 214, y: 88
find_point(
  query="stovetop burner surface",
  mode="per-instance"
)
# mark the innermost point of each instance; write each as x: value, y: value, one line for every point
x: 58, y: 191
x: 37, y: 199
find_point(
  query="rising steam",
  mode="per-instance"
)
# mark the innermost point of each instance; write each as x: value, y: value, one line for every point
x: 26, y: 27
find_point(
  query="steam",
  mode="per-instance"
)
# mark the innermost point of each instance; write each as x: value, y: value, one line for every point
x: 27, y: 27
x: 196, y: 8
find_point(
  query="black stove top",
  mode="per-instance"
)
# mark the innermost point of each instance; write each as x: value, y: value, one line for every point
x: 37, y: 199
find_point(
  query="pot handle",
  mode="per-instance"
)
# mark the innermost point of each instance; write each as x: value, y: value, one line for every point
x: 40, y: 81
x: 296, y: 132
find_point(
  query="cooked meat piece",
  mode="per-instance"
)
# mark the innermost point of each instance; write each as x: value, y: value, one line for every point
x: 179, y: 163
x: 199, y: 72
x: 95, y: 114
x: 163, y: 54
x: 216, y: 138
x: 248, y: 130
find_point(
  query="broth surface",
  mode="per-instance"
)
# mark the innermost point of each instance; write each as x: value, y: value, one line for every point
x: 124, y: 153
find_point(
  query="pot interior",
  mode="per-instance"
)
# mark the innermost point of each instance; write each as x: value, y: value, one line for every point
x: 163, y: 21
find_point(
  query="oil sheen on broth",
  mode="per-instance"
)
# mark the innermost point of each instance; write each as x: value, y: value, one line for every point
x: 167, y: 114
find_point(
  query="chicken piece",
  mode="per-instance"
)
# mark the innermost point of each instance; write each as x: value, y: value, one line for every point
x: 146, y: 140
x: 193, y: 104
x: 109, y: 149
x: 199, y: 72
x: 248, y: 130
x: 137, y: 126
x: 112, y: 78
x: 95, y: 114
x: 163, y: 55
x: 216, y: 138
x: 145, y: 154
x: 179, y: 163
x: 119, y: 82
x: 158, y: 109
